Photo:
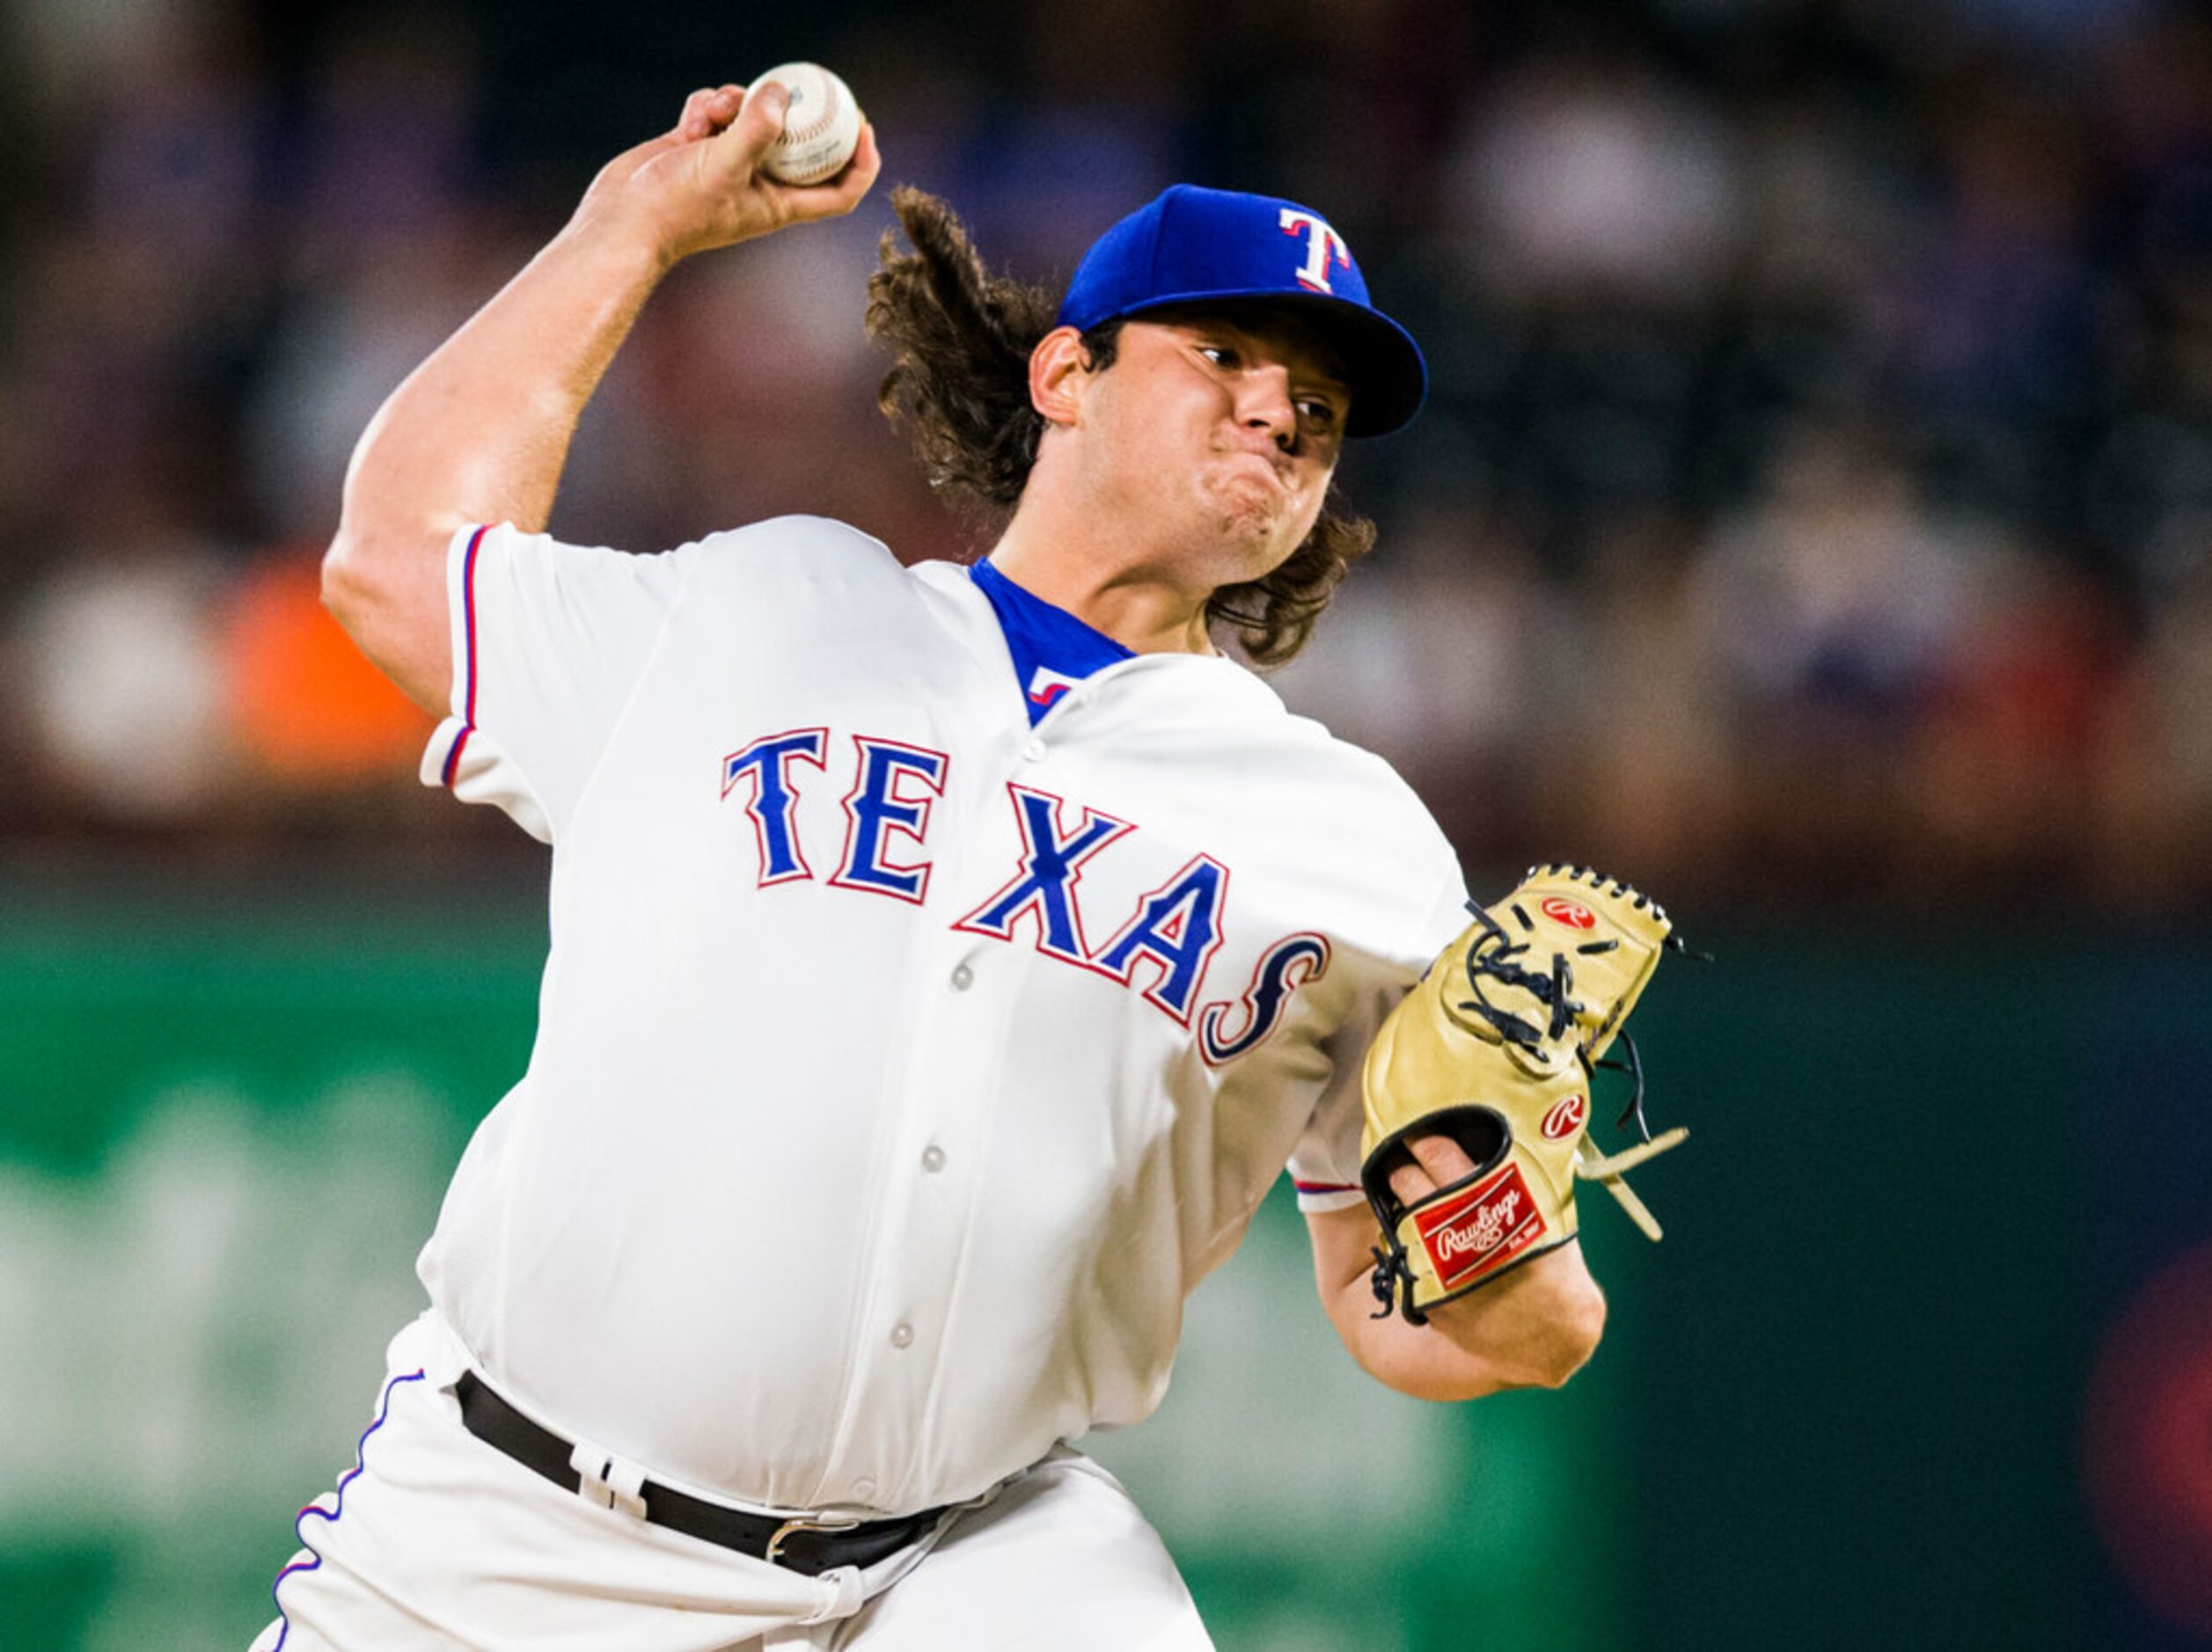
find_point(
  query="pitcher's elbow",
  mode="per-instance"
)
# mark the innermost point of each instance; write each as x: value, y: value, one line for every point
x: 1578, y: 1329
x: 351, y: 585
x: 338, y: 575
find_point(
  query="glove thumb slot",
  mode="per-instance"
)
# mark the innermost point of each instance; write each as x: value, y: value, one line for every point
x: 1482, y: 1133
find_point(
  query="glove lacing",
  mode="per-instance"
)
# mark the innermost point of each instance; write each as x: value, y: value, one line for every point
x: 1494, y: 958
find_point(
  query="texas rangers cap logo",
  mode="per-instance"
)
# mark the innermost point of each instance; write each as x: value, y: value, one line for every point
x: 1191, y: 247
x: 1323, y: 247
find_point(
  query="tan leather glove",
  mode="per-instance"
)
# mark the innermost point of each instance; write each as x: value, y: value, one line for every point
x: 1494, y: 1049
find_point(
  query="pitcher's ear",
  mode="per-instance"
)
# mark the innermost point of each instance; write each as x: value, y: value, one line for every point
x: 1057, y: 369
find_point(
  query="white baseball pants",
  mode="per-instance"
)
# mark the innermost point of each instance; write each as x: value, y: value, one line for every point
x: 437, y: 1540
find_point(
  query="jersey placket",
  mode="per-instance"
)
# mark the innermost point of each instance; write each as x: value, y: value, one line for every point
x: 939, y: 1109
x: 929, y: 1178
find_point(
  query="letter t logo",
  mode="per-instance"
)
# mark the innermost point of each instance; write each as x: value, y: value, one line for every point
x: 1323, y: 247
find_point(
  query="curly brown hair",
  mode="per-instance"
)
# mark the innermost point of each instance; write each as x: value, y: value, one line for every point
x: 960, y: 338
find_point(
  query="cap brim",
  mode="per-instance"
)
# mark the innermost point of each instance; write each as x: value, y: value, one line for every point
x: 1383, y: 366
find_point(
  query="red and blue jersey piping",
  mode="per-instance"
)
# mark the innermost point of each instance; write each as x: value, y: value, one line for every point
x: 452, y: 764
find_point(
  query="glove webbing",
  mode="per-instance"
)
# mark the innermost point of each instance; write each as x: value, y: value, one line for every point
x: 1497, y: 961
x: 1556, y: 991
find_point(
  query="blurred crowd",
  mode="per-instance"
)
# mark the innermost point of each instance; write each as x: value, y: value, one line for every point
x: 1814, y: 505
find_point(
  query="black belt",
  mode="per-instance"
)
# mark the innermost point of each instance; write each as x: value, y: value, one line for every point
x: 803, y: 1544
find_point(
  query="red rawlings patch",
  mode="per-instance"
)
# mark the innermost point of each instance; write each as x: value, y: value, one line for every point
x: 1565, y: 1117
x: 1573, y: 913
x: 1479, y: 1231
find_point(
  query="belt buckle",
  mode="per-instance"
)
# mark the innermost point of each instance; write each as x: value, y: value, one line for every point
x: 805, y: 1523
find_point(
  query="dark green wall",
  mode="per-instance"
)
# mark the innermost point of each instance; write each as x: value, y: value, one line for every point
x: 1837, y: 1407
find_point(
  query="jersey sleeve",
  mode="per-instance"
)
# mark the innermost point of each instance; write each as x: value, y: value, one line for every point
x: 1324, y: 1166
x: 549, y: 641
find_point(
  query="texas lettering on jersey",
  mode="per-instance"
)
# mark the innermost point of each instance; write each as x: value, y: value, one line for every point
x: 1172, y: 933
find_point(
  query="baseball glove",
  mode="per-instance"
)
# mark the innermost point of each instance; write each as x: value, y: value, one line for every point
x: 1495, y: 1049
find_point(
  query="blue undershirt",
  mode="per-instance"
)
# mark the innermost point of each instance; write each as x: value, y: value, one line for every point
x: 1052, y: 649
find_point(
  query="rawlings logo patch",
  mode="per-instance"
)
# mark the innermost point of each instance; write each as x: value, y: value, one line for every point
x: 1573, y: 913
x: 1565, y: 1117
x: 1479, y: 1231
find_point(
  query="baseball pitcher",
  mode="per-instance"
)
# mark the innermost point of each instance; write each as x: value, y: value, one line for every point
x: 945, y: 959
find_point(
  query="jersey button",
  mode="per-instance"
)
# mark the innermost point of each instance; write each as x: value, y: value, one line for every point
x: 932, y: 1158
x: 1034, y: 751
x: 963, y: 978
x: 863, y: 1488
x: 902, y: 1334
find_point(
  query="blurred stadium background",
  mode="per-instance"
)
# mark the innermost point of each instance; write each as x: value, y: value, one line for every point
x: 1812, y: 523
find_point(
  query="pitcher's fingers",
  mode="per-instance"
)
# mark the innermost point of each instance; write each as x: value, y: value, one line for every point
x: 693, y: 122
x: 709, y: 111
x: 1411, y: 1184
x: 843, y: 192
x: 1440, y: 1161
x: 1444, y: 1158
x: 758, y: 120
x: 723, y: 108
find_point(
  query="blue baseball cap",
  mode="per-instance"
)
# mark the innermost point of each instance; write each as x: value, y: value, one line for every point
x: 1195, y: 246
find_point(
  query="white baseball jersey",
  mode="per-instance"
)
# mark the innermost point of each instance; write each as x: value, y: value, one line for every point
x: 900, y: 1067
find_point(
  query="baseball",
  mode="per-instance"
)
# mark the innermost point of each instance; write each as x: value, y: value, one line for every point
x: 821, y: 128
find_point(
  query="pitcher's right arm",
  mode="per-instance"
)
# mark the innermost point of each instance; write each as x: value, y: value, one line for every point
x: 481, y: 431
